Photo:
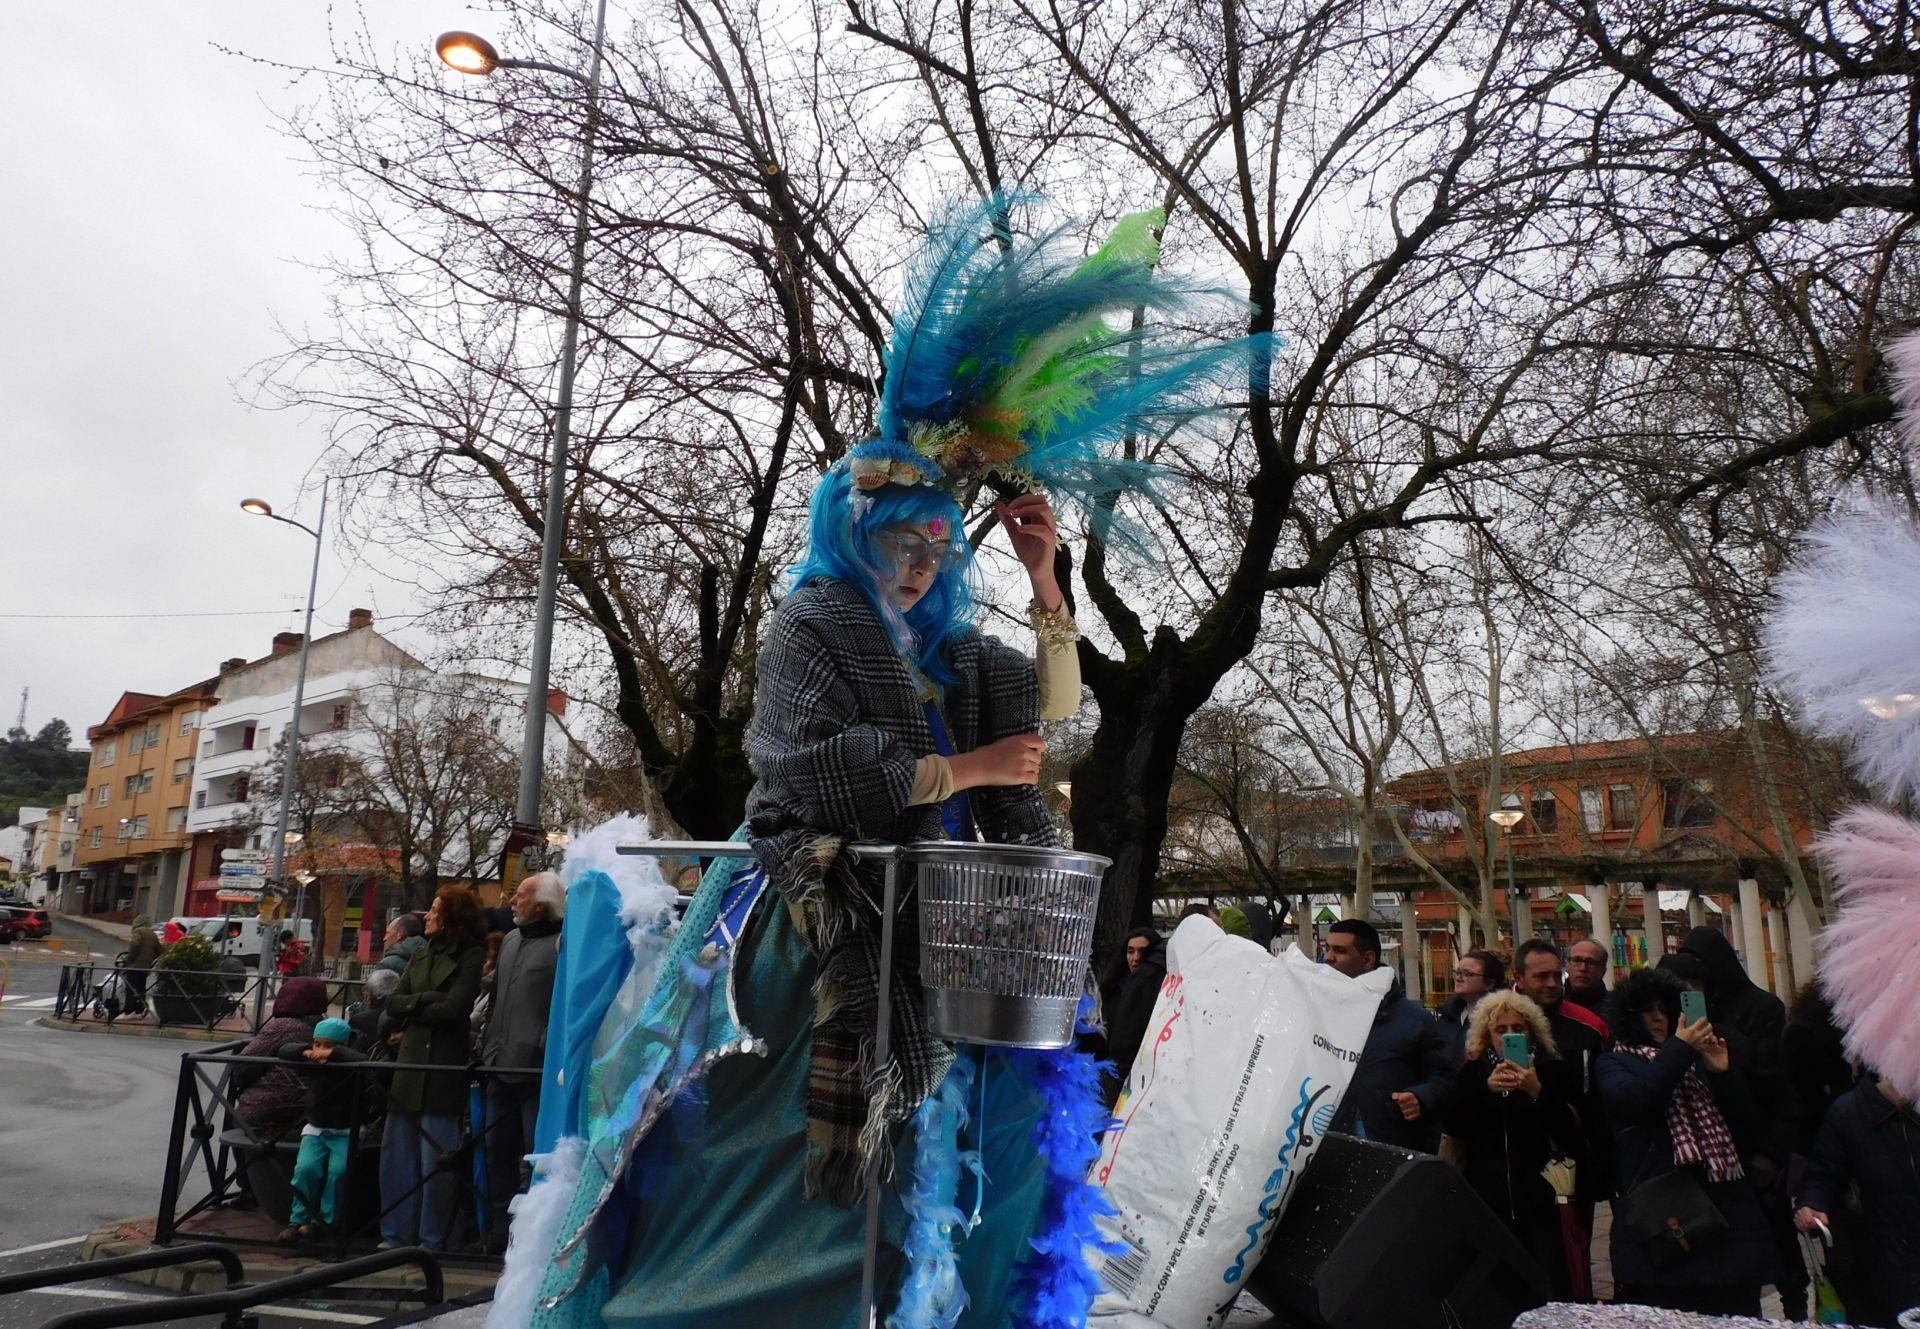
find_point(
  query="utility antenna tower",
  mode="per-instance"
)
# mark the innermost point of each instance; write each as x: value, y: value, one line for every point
x: 21, y: 721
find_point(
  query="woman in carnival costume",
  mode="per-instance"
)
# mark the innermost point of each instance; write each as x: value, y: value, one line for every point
x: 712, y: 1106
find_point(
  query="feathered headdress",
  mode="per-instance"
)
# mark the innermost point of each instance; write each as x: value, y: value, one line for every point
x: 1006, y: 366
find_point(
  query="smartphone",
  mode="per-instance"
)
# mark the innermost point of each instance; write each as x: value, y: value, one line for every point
x: 1516, y: 1049
x: 1693, y: 1006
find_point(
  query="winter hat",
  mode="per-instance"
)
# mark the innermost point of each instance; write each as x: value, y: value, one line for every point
x: 334, y: 1030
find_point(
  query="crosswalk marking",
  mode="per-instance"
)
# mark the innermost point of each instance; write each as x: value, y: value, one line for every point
x: 29, y: 1003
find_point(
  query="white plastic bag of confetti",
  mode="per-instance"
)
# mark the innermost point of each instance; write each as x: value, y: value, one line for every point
x: 1237, y: 1080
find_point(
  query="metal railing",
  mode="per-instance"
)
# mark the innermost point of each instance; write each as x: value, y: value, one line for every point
x: 232, y: 1304
x: 110, y: 994
x: 211, y: 1148
x: 87, y: 1270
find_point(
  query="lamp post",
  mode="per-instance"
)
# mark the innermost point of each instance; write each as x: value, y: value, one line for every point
x: 259, y: 507
x: 1506, y: 819
x: 471, y: 54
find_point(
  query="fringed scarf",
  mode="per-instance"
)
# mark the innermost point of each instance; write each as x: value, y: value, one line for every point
x: 1700, y: 1134
x: 850, y: 1101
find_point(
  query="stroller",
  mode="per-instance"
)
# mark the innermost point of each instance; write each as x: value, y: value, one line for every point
x: 113, y: 996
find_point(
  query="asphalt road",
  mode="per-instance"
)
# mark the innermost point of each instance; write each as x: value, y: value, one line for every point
x: 83, y: 1125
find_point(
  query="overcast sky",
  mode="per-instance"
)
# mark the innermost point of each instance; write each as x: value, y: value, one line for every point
x: 153, y: 225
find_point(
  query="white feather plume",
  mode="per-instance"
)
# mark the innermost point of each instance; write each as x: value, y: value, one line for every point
x: 537, y: 1219
x: 1844, y: 638
x: 1903, y: 364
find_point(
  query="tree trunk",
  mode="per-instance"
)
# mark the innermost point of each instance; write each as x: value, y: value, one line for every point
x: 1131, y: 763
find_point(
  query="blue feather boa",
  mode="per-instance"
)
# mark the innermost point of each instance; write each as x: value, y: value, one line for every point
x: 1054, y: 1287
x: 931, y: 1295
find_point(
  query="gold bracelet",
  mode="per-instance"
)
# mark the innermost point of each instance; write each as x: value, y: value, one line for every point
x: 1055, y: 627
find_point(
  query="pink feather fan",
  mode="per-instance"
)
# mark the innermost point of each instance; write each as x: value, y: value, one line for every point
x: 1870, y: 951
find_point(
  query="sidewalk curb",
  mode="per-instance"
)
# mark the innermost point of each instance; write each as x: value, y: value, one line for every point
x: 260, y: 1266
x: 141, y: 1030
x: 120, y: 932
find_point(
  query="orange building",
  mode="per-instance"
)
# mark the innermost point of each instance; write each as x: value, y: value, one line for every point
x: 130, y: 855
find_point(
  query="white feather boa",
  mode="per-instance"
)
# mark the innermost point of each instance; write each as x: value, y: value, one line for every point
x: 537, y: 1217
x: 1844, y: 637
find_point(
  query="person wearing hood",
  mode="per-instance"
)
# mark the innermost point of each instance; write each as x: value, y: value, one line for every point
x: 275, y: 1096
x: 1753, y: 1022
x: 143, y: 948
x: 1146, y: 961
x: 1407, y: 1068
x: 1735, y: 1001
x: 1259, y: 924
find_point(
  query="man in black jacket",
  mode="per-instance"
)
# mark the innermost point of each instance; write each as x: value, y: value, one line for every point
x: 1406, y: 1070
x: 1871, y: 1139
x: 1581, y: 1038
x: 516, y: 1037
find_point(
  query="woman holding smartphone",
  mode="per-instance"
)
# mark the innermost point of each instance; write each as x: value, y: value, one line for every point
x: 1678, y: 1102
x: 1509, y: 1114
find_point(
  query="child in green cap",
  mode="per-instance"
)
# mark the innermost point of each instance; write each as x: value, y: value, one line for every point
x: 323, y: 1140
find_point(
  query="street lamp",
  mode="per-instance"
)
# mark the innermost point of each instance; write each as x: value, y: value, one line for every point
x: 470, y: 54
x: 259, y: 507
x: 1506, y: 819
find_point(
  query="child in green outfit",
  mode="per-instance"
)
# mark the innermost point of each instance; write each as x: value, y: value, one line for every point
x: 323, y: 1140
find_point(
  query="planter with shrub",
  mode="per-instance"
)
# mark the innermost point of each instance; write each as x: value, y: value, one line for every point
x: 187, y: 987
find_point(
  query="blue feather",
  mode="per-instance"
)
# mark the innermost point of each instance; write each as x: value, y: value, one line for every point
x: 1004, y: 361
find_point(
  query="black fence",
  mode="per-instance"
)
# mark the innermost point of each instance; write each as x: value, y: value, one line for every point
x: 217, y: 1158
x: 233, y: 1002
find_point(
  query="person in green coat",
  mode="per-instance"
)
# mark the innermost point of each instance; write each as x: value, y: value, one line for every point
x: 143, y: 948
x: 430, y: 1011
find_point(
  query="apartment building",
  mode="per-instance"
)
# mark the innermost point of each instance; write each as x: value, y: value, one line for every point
x: 131, y: 847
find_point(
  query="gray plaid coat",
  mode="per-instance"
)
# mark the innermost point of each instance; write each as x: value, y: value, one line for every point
x: 838, y: 727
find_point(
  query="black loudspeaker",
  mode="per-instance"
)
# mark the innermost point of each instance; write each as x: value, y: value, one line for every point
x: 1377, y: 1236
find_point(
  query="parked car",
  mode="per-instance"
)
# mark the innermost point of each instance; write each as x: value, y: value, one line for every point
x: 9, y: 927
x: 34, y: 923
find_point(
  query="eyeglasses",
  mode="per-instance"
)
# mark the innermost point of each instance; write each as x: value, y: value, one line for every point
x: 1469, y: 973
x: 913, y: 550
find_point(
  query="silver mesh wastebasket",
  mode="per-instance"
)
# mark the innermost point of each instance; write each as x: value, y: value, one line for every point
x: 1005, y: 932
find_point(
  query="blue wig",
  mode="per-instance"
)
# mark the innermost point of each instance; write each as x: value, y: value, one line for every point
x: 843, y: 522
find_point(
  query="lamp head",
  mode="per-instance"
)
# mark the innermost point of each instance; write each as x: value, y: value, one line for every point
x: 1507, y: 818
x: 467, y: 52
x: 259, y: 507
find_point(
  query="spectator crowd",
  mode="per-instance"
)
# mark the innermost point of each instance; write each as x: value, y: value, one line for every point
x: 435, y: 1070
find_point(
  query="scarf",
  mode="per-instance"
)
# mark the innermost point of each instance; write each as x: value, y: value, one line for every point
x: 850, y: 1101
x: 1700, y: 1134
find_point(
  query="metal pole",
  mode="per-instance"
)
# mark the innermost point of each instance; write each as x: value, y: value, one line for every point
x: 882, y: 1048
x: 1513, y: 894
x: 287, y: 770
x: 533, y: 744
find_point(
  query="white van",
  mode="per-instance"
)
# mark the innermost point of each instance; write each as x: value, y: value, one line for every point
x: 242, y: 934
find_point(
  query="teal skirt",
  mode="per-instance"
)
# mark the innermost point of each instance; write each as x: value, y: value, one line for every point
x: 724, y: 1239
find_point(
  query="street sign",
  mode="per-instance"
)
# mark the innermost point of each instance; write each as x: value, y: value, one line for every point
x: 244, y: 855
x: 238, y: 895
x: 232, y: 870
